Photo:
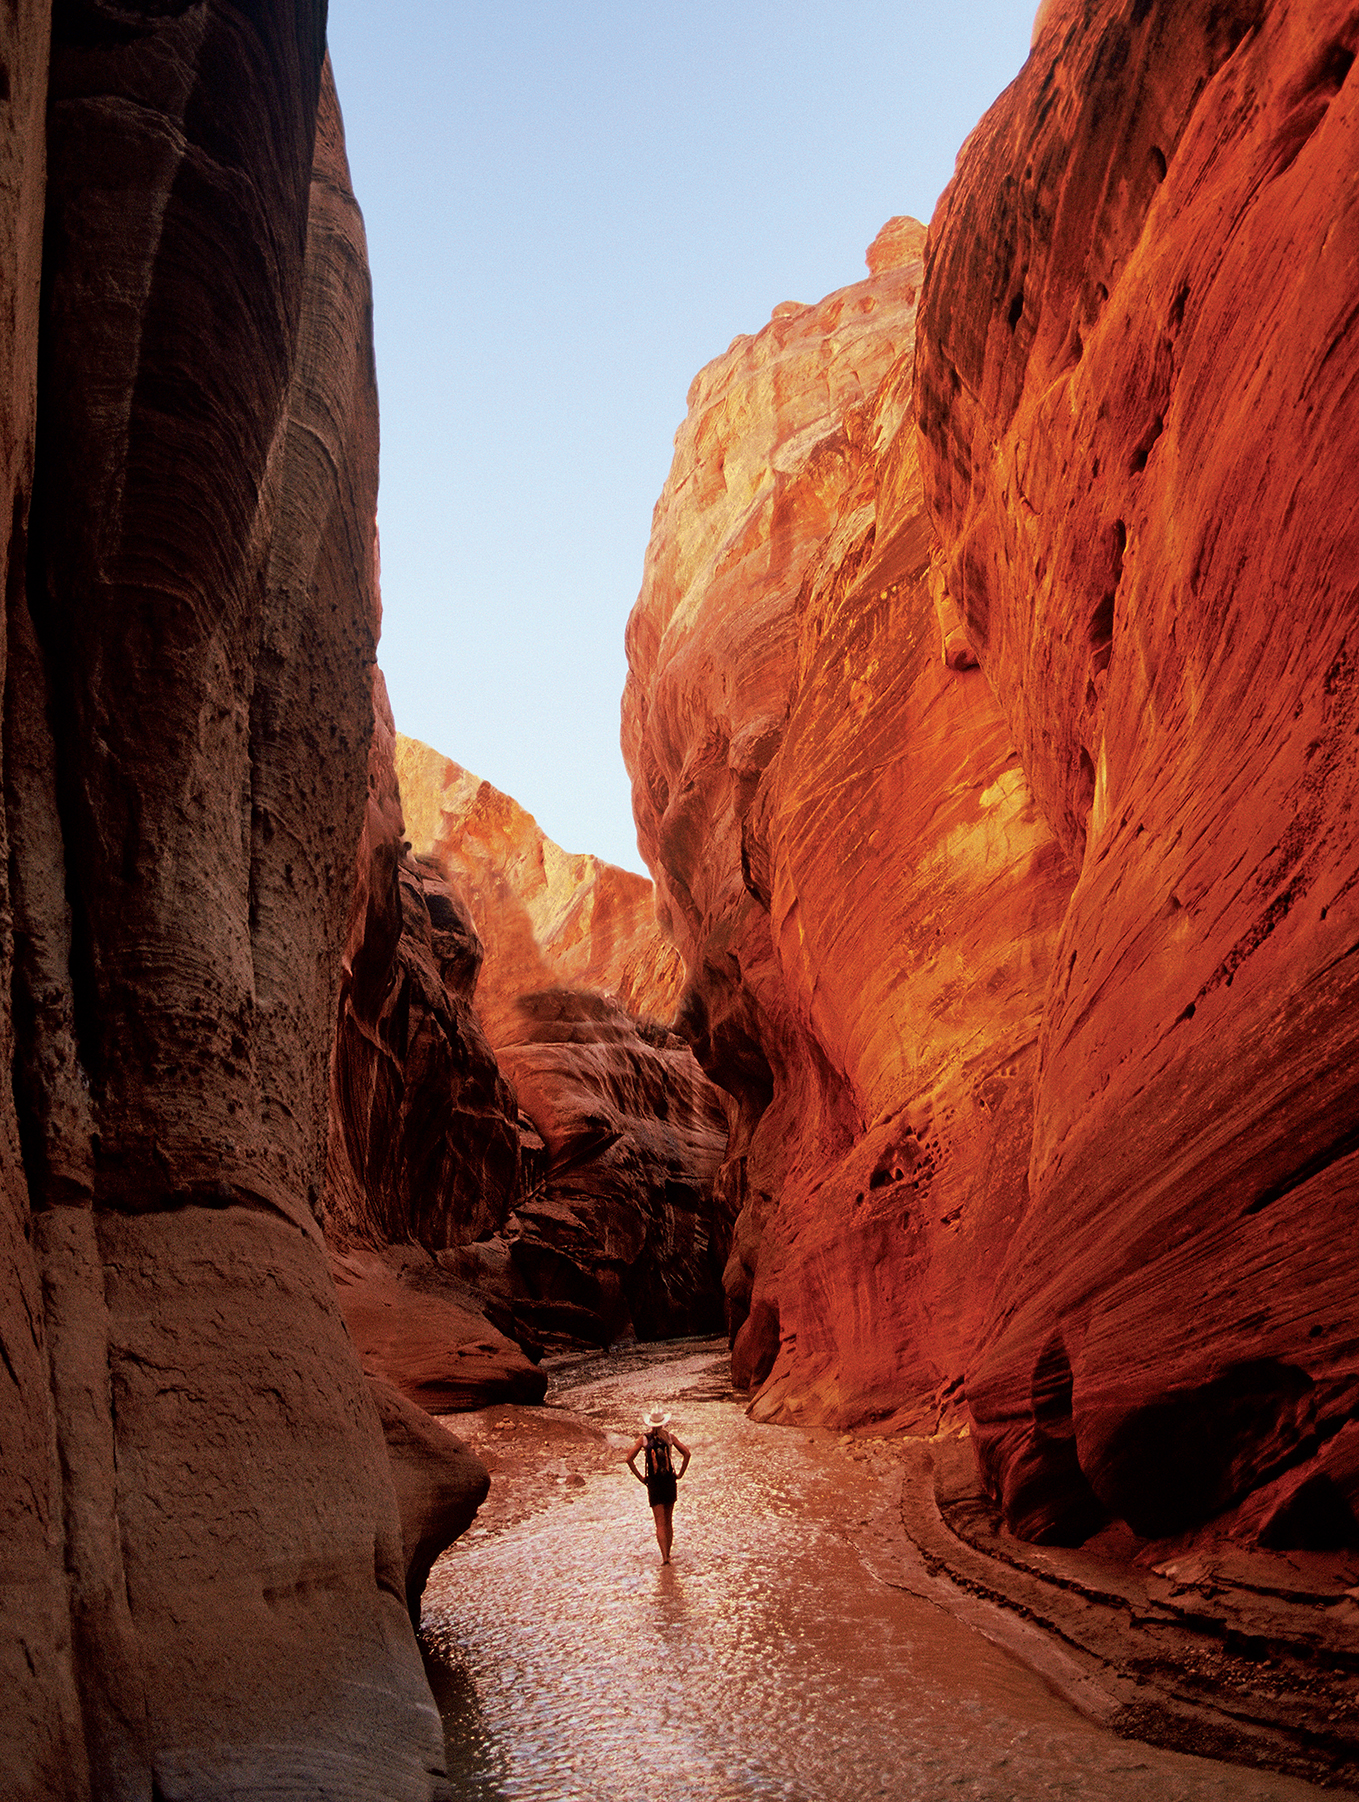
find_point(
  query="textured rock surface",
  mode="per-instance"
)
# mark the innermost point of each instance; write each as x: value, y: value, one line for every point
x: 1139, y: 398
x: 42, y: 1742
x: 622, y: 1222
x: 547, y: 918
x: 424, y: 1139
x: 848, y: 855
x: 210, y: 1594
x: 617, y: 1226
x: 439, y: 1484
x: 417, y: 1332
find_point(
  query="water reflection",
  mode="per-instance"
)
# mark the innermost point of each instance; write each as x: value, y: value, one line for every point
x: 764, y: 1663
x: 468, y: 1744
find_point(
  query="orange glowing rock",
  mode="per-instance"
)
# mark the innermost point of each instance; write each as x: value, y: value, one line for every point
x: 617, y: 1226
x: 849, y: 857
x: 1138, y: 389
x: 546, y: 918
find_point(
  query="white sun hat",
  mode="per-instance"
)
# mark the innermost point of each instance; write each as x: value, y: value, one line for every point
x: 654, y: 1418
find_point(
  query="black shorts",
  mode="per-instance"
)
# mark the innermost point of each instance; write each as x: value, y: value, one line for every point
x: 661, y: 1491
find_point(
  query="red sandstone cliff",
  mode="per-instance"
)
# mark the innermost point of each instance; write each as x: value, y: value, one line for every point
x: 1033, y: 981
x: 204, y: 1558
x: 1138, y: 392
x: 616, y: 1225
x: 547, y: 918
x: 425, y: 1136
x: 849, y: 857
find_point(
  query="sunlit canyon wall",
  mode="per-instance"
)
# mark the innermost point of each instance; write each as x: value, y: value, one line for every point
x: 991, y: 720
x: 1139, y: 407
x: 614, y: 1226
x: 204, y: 1582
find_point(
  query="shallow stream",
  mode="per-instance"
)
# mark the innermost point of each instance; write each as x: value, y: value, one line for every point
x: 770, y: 1659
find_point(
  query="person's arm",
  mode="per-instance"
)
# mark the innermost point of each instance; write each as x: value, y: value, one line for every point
x: 683, y: 1451
x: 631, y: 1455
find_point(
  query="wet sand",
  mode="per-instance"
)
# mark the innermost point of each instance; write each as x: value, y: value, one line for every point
x: 774, y: 1658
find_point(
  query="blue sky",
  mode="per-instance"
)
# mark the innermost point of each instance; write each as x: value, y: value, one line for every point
x: 571, y: 209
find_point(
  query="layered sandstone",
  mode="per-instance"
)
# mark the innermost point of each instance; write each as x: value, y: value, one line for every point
x: 848, y: 855
x: 1033, y: 981
x: 205, y: 1585
x: 547, y: 918
x: 616, y: 1227
x: 425, y: 1145
x: 439, y: 1482
x: 424, y: 1136
x: 1139, y: 404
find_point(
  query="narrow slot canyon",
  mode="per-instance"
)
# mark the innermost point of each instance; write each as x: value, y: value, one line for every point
x: 954, y: 1134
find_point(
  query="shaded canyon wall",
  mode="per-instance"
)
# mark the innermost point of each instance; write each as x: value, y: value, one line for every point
x: 615, y: 1224
x: 205, y: 1582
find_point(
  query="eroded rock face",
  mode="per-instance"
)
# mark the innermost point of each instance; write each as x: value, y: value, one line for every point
x: 424, y: 1139
x: 196, y: 1494
x: 1140, y: 417
x: 616, y: 1227
x: 547, y: 918
x: 440, y: 1484
x: 849, y: 857
x: 622, y: 1223
x: 423, y: 1335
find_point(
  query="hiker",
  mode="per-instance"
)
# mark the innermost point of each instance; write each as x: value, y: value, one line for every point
x: 661, y: 1476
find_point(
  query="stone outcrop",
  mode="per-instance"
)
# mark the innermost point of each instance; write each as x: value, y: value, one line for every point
x: 849, y: 857
x: 547, y: 918
x: 205, y: 1587
x: 1140, y: 421
x: 439, y: 1484
x: 428, y: 1336
x: 616, y: 1227
x: 424, y: 1135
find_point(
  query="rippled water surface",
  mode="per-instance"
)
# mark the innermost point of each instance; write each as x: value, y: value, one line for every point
x: 765, y: 1662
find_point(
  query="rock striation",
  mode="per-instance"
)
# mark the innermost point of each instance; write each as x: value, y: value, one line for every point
x: 547, y: 918
x: 1139, y: 424
x: 991, y: 724
x: 424, y: 1135
x: 616, y: 1227
x: 205, y: 1588
x: 849, y: 857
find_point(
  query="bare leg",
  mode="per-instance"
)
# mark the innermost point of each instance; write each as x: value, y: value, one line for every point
x: 665, y: 1532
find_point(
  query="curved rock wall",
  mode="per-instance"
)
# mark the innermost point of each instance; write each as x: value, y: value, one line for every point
x: 617, y: 1226
x: 547, y: 918
x: 1140, y: 423
x: 849, y: 857
x: 1033, y: 980
x: 211, y: 1586
x: 424, y: 1140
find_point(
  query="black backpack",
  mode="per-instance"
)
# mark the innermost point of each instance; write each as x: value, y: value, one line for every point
x: 658, y: 1462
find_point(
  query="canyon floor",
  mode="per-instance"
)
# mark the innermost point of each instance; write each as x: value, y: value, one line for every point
x: 815, y: 1638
